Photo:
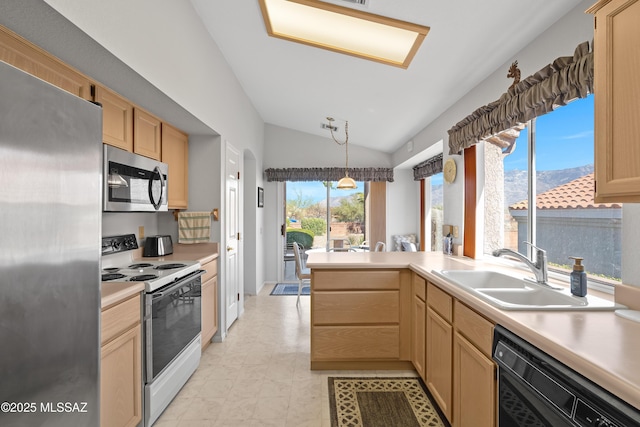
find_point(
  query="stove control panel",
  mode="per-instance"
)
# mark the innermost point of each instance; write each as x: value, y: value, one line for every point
x: 115, y: 244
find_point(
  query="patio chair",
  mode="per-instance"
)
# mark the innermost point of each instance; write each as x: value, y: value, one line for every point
x: 340, y: 244
x: 288, y: 255
x: 302, y: 274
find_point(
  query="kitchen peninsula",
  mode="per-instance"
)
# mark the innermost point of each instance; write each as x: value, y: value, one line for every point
x: 385, y: 304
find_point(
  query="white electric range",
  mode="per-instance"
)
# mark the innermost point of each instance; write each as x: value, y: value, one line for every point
x: 171, y: 318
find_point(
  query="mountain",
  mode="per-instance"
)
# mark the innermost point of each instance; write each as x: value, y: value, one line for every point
x: 334, y: 202
x: 515, y: 181
x: 436, y: 195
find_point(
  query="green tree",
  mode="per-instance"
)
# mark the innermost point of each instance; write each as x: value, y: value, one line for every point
x: 351, y: 209
x: 302, y: 237
x: 317, y: 210
x: 297, y: 206
x: 317, y: 225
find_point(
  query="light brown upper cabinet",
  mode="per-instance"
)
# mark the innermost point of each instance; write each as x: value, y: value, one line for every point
x: 175, y: 153
x: 117, y: 119
x: 22, y: 54
x: 146, y: 135
x: 616, y: 91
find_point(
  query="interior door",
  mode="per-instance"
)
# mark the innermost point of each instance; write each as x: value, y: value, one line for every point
x: 232, y: 233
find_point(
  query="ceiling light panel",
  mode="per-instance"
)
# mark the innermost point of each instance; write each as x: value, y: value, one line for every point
x: 343, y: 30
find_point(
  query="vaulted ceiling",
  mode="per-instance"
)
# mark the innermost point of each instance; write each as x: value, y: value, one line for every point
x: 297, y: 86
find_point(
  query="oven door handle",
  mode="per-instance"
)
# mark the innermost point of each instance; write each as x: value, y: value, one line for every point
x: 178, y: 284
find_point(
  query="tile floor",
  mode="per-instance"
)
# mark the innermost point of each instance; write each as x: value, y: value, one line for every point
x: 259, y: 375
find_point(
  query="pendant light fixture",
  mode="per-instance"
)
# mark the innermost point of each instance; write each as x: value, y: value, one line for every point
x: 346, y: 183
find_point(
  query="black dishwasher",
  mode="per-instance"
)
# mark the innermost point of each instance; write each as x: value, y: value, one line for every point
x: 536, y: 390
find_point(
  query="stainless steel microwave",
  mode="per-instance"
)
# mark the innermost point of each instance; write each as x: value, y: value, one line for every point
x: 133, y: 183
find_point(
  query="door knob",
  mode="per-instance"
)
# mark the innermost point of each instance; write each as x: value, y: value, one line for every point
x: 229, y: 248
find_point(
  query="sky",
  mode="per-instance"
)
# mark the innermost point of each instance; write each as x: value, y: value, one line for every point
x: 564, y: 139
x: 317, y: 191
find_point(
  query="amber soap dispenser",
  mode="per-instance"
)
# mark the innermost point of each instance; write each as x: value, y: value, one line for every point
x: 578, y: 278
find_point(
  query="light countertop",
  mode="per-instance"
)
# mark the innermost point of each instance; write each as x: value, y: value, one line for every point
x: 598, y: 344
x: 115, y: 292
x: 202, y: 252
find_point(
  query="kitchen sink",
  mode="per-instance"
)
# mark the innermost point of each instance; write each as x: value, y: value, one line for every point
x: 530, y: 296
x: 516, y: 293
x: 483, y: 279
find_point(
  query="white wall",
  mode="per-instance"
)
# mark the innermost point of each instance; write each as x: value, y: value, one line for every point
x: 273, y: 219
x: 403, y: 205
x: 285, y: 148
x: 253, y: 226
x: 205, y: 188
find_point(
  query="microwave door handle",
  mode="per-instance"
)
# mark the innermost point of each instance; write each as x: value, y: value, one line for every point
x: 162, y: 186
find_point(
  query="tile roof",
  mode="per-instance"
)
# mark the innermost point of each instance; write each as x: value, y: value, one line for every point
x: 576, y: 194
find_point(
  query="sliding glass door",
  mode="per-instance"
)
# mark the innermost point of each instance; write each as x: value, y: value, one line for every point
x: 321, y: 217
x: 330, y: 216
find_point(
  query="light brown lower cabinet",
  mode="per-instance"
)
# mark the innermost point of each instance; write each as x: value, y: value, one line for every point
x: 474, y: 372
x: 439, y: 360
x: 474, y: 385
x: 121, y: 364
x: 357, y: 320
x: 387, y: 319
x: 418, y: 349
x: 459, y: 371
x: 209, y: 302
x: 419, y: 325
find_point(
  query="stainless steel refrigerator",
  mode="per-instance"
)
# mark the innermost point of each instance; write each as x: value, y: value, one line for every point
x: 50, y: 227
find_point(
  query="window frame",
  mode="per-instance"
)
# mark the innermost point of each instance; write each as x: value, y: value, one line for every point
x: 594, y: 282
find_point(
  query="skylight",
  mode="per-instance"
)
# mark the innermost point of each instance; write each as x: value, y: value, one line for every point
x: 344, y: 30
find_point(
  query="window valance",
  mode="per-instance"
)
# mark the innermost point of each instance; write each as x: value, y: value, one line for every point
x: 329, y: 174
x: 567, y: 78
x: 427, y: 168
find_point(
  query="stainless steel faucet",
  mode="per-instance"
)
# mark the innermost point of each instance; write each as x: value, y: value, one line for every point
x: 539, y: 268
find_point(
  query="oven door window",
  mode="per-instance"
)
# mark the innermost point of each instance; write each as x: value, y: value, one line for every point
x: 175, y: 322
x: 522, y: 406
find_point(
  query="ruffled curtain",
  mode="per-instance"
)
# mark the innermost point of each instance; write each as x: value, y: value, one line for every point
x: 329, y: 174
x: 567, y: 78
x: 428, y: 168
